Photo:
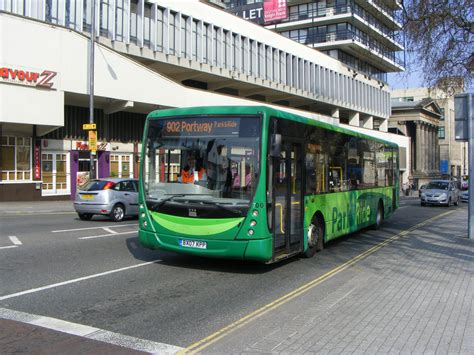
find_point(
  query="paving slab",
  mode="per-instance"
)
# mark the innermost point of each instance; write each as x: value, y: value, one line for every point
x: 414, y: 295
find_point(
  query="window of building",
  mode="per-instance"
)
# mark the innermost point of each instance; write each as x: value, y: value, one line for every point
x: 104, y: 17
x: 442, y: 115
x: 133, y: 22
x: 15, y: 158
x: 119, y: 20
x: 147, y: 26
x: 52, y: 11
x: 71, y: 14
x: 441, y: 133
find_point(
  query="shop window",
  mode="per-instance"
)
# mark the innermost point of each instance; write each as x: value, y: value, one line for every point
x: 15, y: 163
x: 121, y: 166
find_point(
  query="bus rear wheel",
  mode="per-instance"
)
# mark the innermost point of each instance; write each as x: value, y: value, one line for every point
x: 315, y: 238
x: 379, y: 216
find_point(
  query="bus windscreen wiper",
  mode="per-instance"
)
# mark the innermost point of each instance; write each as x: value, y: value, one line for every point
x: 164, y: 200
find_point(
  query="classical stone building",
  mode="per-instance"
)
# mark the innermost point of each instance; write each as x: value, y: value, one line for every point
x: 454, y: 162
x: 419, y: 120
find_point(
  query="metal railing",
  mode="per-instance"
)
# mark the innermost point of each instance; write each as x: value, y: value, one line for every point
x: 373, y: 45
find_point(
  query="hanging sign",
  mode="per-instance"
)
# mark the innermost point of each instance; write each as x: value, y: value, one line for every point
x: 93, y: 141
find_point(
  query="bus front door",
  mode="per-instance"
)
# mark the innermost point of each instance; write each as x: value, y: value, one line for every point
x: 288, y: 202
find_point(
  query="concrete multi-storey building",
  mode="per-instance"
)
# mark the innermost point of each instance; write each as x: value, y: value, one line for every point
x: 453, y: 155
x: 149, y: 55
x: 362, y: 34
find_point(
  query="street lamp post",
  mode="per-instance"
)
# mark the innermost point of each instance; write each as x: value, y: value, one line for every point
x: 91, y: 90
x: 470, y: 125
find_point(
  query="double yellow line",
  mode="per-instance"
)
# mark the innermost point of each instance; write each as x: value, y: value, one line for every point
x: 211, y: 339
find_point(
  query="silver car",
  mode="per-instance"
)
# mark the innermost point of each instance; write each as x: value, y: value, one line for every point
x: 115, y: 198
x: 440, y: 192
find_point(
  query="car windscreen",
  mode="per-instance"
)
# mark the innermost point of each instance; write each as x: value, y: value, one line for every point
x: 94, y: 185
x: 437, y: 185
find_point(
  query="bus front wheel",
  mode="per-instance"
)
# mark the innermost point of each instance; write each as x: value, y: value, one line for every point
x: 315, y: 238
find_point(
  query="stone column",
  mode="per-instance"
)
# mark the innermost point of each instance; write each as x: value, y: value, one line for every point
x: 429, y: 147
x: 433, y: 148
x: 436, y: 149
x: 422, y: 147
x: 418, y: 145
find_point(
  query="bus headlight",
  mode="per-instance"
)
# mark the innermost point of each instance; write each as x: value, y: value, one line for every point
x: 143, y: 214
x: 255, y: 213
x: 250, y: 232
x: 253, y: 223
x: 145, y: 223
x: 141, y: 206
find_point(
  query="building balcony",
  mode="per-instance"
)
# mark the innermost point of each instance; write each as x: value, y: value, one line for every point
x: 337, y: 14
x: 373, y: 52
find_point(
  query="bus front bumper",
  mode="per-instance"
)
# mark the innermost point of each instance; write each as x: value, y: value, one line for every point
x: 258, y: 249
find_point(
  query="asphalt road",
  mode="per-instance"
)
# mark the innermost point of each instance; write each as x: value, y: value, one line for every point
x: 95, y: 273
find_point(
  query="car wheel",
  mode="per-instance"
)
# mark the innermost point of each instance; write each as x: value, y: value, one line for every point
x: 422, y: 203
x: 85, y: 216
x: 118, y: 213
x: 315, y: 239
x: 457, y: 202
x: 449, y: 202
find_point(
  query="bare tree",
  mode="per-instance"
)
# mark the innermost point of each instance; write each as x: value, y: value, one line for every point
x: 441, y: 34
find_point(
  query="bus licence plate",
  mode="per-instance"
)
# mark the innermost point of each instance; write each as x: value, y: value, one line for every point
x: 193, y: 244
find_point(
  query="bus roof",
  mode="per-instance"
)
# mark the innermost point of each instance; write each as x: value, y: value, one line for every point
x: 248, y: 110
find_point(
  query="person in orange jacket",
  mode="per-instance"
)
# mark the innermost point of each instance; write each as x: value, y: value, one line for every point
x: 191, y: 173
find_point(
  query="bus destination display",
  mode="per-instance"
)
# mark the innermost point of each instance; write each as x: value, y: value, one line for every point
x: 199, y: 127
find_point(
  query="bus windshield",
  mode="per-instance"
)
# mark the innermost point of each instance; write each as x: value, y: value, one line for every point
x: 207, y: 162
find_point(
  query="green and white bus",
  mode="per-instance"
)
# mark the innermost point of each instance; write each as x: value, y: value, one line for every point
x: 266, y: 184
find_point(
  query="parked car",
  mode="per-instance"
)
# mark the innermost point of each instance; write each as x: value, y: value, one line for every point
x: 421, y: 189
x: 465, y: 196
x: 115, y: 198
x: 440, y: 192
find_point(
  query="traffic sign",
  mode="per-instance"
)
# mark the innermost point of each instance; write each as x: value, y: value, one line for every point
x: 88, y: 126
x: 93, y: 141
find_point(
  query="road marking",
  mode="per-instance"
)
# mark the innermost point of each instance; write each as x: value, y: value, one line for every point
x: 90, y: 228
x: 79, y: 279
x: 88, y: 332
x: 9, y: 247
x: 15, y: 240
x: 107, y: 235
x: 111, y: 231
x: 211, y: 339
x: 342, y: 298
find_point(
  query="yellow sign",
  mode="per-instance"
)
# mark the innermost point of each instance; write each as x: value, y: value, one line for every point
x: 88, y: 126
x: 93, y: 141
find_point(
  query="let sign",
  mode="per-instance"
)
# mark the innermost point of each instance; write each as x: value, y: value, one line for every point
x: 89, y: 126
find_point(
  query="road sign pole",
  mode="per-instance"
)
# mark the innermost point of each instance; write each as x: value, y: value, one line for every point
x: 91, y: 87
x: 470, y: 119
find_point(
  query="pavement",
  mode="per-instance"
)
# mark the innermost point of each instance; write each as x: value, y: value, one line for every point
x: 414, y: 294
x: 9, y: 208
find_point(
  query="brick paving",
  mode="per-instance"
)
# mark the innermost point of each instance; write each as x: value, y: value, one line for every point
x: 413, y: 296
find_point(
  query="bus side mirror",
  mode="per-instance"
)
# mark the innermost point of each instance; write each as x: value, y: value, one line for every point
x: 275, y: 147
